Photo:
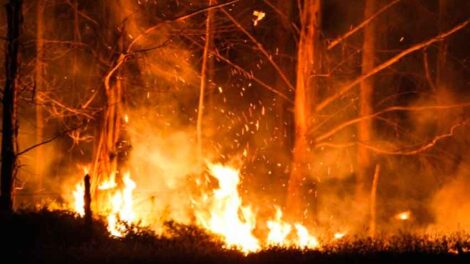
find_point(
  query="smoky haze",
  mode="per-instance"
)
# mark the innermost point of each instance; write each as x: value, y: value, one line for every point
x: 249, y: 113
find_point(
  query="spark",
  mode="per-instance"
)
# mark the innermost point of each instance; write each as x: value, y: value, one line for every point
x: 259, y: 15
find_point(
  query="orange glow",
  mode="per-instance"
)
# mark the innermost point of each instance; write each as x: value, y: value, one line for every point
x: 339, y: 235
x: 403, y: 216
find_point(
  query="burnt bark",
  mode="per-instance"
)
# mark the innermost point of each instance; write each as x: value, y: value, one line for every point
x: 10, y: 127
x: 301, y: 193
x: 87, y: 201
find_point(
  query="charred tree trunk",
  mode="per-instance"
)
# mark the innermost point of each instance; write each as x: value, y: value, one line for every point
x: 205, y: 77
x: 307, y: 61
x: 39, y: 83
x: 365, y: 127
x: 87, y: 202
x: 10, y: 127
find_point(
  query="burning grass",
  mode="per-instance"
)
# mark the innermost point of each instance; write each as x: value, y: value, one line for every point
x: 59, y: 237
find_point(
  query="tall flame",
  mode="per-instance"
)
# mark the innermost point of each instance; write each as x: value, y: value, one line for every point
x: 79, y: 203
x: 227, y: 217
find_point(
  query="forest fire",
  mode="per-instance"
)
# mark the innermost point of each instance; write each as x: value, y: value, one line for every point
x: 222, y: 212
x: 257, y: 125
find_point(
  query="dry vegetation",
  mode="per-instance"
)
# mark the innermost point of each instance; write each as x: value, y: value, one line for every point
x: 60, y: 237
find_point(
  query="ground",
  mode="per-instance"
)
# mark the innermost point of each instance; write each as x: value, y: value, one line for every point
x: 61, y: 237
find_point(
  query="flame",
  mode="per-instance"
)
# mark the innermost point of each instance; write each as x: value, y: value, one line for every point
x: 222, y: 212
x: 305, y: 239
x: 79, y: 203
x: 403, y: 216
x: 278, y: 230
x: 122, y: 212
x: 117, y: 207
x: 280, y: 233
x: 108, y: 184
x: 227, y: 217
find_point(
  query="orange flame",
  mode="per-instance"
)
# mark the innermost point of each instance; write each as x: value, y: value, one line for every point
x: 227, y: 217
x: 118, y: 207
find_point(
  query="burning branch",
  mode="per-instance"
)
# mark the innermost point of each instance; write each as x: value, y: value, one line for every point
x: 388, y: 63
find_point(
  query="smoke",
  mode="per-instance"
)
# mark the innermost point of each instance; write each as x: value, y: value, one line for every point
x: 451, y: 205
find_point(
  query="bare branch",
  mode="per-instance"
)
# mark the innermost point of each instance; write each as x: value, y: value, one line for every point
x: 427, y: 72
x: 363, y: 24
x: 261, y: 49
x: 63, y: 133
x: 419, y: 149
x: 181, y: 18
x: 282, y: 15
x: 403, y: 152
x: 388, y: 63
x: 239, y: 68
x: 390, y: 109
x: 85, y: 16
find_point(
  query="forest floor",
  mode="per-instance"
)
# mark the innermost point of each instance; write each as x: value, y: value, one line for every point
x: 60, y: 237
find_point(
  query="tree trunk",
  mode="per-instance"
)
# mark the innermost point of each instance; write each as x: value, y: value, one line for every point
x: 365, y: 129
x: 307, y: 59
x: 39, y: 83
x: 205, y: 74
x: 10, y: 126
x: 443, y: 94
x: 111, y: 152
